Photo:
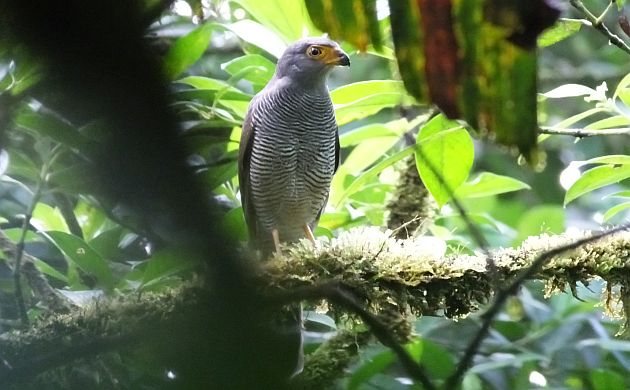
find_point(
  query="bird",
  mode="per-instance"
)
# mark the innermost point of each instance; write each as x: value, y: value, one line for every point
x: 289, y: 148
x: 288, y: 154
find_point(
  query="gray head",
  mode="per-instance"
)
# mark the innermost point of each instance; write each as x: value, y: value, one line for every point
x: 309, y: 60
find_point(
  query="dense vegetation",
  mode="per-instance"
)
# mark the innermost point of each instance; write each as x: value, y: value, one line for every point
x: 122, y: 236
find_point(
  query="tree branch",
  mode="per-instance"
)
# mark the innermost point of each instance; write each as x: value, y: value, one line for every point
x: 597, y: 23
x: 406, y: 275
x: 511, y: 289
x: 583, y: 133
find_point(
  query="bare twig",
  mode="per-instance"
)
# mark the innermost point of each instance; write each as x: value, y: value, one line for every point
x: 598, y: 24
x: 583, y: 133
x: 336, y: 293
x: 511, y: 289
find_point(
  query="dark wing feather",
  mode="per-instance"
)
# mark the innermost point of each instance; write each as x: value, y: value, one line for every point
x: 337, y: 152
x: 244, y: 157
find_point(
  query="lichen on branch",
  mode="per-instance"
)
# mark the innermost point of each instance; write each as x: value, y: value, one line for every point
x: 382, y: 269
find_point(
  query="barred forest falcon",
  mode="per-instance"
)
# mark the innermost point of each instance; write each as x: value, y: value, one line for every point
x: 289, y: 148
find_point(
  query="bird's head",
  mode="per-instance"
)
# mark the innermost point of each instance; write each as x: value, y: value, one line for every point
x: 310, y: 59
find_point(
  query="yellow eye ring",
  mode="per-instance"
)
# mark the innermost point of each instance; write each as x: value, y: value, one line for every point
x: 315, y: 51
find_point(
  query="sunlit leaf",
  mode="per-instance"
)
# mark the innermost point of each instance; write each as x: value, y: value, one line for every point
x: 487, y: 184
x: 444, y: 161
x: 259, y: 35
x: 611, y: 212
x: 288, y: 19
x: 561, y: 30
x: 46, y: 217
x: 596, y: 178
x: 364, y: 98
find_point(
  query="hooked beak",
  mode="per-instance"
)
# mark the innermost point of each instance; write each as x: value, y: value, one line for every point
x: 338, y: 57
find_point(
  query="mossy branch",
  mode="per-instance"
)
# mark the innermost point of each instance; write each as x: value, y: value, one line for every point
x: 383, y: 272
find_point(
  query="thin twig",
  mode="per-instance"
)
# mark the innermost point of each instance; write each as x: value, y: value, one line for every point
x: 599, y: 25
x: 511, y: 289
x: 335, y: 293
x: 583, y: 133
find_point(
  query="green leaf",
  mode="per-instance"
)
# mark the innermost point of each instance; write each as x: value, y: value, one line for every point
x: 48, y: 218
x: 288, y: 19
x: 260, y: 69
x: 367, y: 152
x: 435, y: 125
x: 562, y: 29
x: 259, y: 35
x: 596, y: 178
x: 187, y: 50
x: 166, y: 263
x: 444, y: 161
x: 371, y: 174
x: 361, y: 99
x: 52, y: 126
x: 611, y: 212
x: 83, y: 255
x: 615, y: 159
x: 371, y: 367
x: 606, y: 123
x: 487, y: 184
x: 542, y: 218
x: 603, y: 379
x: 437, y: 361
x: 50, y: 271
x: 374, y: 130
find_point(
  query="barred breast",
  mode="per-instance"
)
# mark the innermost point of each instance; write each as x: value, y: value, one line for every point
x: 292, y: 160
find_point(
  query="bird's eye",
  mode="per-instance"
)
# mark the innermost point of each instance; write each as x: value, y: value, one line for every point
x: 314, y: 51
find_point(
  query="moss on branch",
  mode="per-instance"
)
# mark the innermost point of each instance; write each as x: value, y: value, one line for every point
x: 387, y: 275
x: 383, y: 270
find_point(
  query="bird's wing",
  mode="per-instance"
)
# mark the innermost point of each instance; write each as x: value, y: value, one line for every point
x: 244, y: 157
x: 337, y: 148
x: 337, y: 153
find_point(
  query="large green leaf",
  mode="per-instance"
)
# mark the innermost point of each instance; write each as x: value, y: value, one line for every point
x: 46, y: 217
x: 82, y: 255
x: 358, y: 100
x: 287, y: 18
x: 444, y: 161
x: 596, y: 178
x: 187, y: 50
x: 487, y: 184
x: 258, y: 35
